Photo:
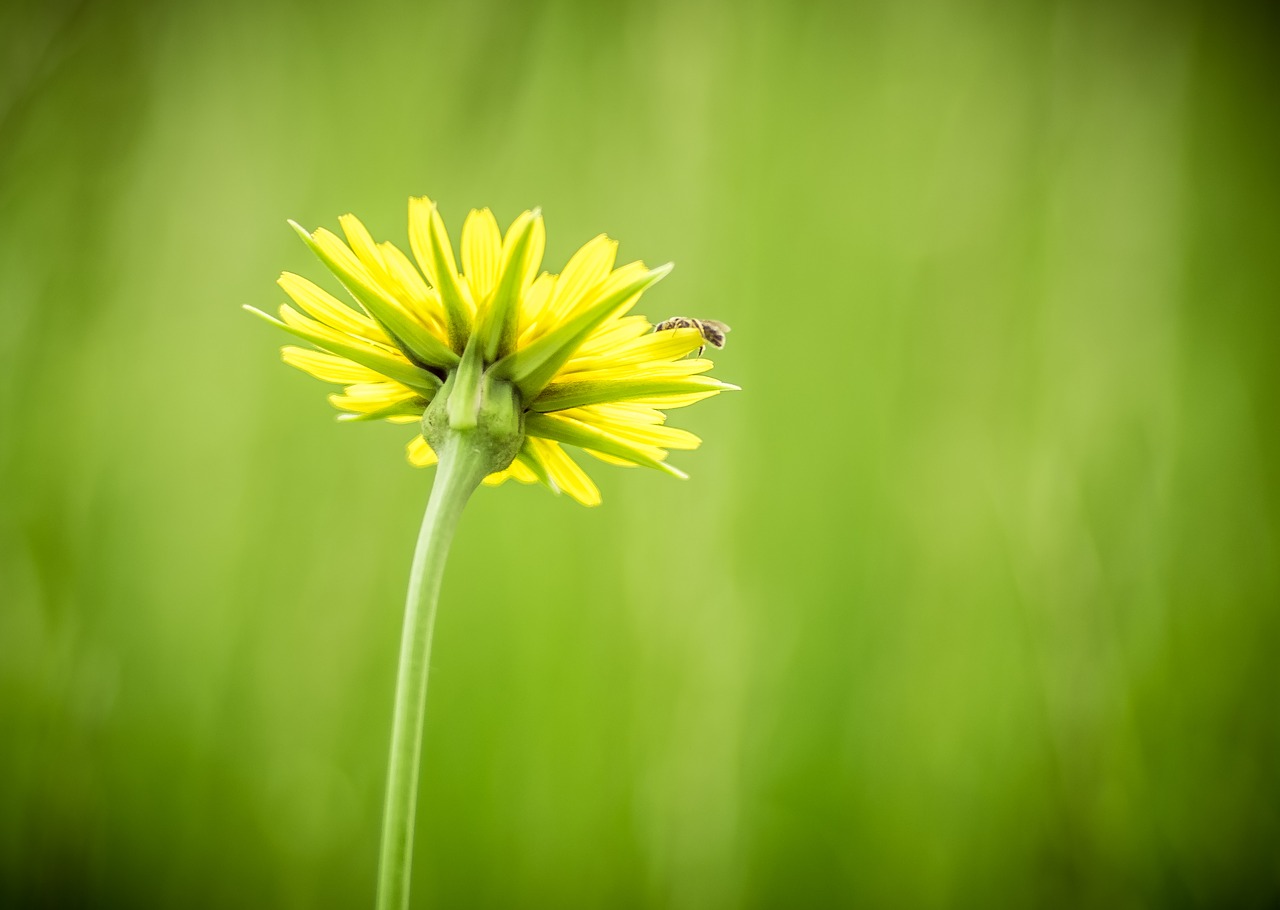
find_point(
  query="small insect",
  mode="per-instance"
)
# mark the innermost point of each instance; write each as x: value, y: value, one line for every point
x: 713, y: 332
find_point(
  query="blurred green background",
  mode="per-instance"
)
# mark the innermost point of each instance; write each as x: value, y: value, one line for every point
x: 972, y: 599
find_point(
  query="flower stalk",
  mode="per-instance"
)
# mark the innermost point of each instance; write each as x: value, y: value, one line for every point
x: 489, y: 437
x: 504, y: 367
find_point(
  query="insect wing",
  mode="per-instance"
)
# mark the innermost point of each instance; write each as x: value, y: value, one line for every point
x: 714, y: 331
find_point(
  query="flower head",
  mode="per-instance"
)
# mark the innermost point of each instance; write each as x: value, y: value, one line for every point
x: 586, y: 372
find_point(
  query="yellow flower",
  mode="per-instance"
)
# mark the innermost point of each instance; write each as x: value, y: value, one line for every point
x: 588, y: 374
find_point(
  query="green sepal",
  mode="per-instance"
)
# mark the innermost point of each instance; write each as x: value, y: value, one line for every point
x: 499, y: 324
x: 531, y: 368
x: 498, y: 433
x: 576, y: 433
x: 464, y: 397
x: 417, y: 379
x: 569, y: 394
x: 410, y: 407
x: 414, y: 339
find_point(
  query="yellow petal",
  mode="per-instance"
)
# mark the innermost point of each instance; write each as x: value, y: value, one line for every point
x: 639, y: 432
x: 628, y: 412
x: 328, y: 367
x: 671, y: 369
x: 333, y: 247
x: 481, y: 252
x: 517, y: 471
x: 363, y: 245
x: 569, y: 430
x: 534, y: 316
x: 364, y: 397
x: 565, y: 472
x: 382, y: 360
x: 619, y: 350
x: 405, y: 279
x: 611, y: 334
x: 326, y: 308
x: 405, y: 327
x: 675, y: 400
x: 291, y: 317
x: 421, y: 454
x: 421, y: 211
x: 589, y: 266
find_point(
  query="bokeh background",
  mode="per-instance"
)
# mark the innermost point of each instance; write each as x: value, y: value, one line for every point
x: 972, y: 599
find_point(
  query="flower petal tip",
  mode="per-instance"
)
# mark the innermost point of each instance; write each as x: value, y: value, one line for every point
x: 300, y: 229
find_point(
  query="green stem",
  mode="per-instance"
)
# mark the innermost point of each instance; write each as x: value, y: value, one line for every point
x: 462, y: 467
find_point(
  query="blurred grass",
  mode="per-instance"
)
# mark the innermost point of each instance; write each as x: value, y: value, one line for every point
x: 971, y: 599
